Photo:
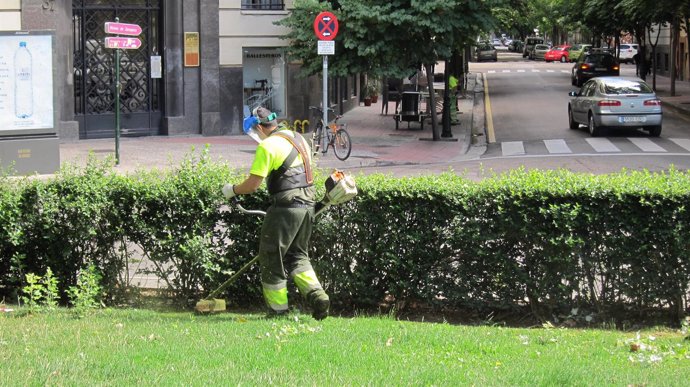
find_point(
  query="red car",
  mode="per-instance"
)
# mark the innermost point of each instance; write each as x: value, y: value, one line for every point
x: 559, y: 53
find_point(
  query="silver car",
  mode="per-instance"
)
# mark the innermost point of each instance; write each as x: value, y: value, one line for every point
x: 539, y: 51
x: 626, y: 102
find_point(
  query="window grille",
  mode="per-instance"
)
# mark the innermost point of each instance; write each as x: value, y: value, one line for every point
x: 264, y: 5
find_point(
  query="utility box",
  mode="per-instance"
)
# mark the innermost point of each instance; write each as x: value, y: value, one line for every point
x: 28, y: 138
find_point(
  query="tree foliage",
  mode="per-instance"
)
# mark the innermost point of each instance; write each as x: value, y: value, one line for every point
x: 387, y: 38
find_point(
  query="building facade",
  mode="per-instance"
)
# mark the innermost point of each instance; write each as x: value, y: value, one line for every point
x: 200, y: 67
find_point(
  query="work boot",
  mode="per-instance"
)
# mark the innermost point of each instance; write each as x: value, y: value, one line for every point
x: 319, y: 301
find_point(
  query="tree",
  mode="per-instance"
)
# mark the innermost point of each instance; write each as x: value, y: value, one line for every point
x: 391, y: 38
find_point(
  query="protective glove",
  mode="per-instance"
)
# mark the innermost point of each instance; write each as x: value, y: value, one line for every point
x: 229, y: 191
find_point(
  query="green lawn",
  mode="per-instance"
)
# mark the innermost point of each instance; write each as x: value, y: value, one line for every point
x: 143, y: 347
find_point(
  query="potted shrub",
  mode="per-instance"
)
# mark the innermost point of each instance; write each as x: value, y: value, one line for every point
x: 368, y: 91
x: 374, y: 89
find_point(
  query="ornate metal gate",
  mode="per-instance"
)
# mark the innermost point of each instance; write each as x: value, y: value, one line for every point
x: 94, y: 69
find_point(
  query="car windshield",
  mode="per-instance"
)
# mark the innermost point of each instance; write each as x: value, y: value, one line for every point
x: 486, y: 47
x: 624, y: 86
x: 601, y: 59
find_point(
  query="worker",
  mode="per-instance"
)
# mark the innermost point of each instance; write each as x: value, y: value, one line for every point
x: 283, y: 158
x: 453, y: 90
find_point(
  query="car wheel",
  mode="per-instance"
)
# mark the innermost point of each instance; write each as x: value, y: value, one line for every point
x: 594, y: 130
x: 571, y: 121
x: 572, y: 80
x: 654, y: 131
x: 578, y: 82
x: 563, y: 59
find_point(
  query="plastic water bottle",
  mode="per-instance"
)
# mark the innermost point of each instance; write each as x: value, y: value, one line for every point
x: 23, y: 82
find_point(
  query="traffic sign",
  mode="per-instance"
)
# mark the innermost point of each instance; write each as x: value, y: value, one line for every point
x: 122, y: 29
x: 326, y: 26
x: 123, y: 43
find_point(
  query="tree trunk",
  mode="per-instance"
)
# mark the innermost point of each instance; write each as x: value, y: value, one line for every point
x: 675, y: 39
x: 446, y: 98
x: 432, y: 101
x: 656, y: 41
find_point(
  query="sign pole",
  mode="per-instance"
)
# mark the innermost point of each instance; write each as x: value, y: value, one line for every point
x: 117, y: 106
x: 118, y: 43
x: 325, y: 28
x: 117, y: 102
x: 324, y: 102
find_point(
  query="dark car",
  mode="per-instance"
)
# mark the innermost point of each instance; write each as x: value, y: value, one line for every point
x: 486, y: 51
x: 594, y: 64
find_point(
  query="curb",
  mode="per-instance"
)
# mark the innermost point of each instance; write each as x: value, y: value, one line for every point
x: 677, y: 108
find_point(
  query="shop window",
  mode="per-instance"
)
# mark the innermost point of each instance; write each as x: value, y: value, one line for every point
x: 263, y: 75
x: 269, y: 5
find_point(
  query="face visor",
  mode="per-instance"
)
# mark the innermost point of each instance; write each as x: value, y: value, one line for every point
x: 250, y: 129
x: 250, y: 125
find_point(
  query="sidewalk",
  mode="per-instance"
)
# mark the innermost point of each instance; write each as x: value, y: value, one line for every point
x: 375, y: 142
x: 680, y: 103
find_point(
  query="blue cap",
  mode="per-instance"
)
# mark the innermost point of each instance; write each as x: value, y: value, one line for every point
x: 22, y: 44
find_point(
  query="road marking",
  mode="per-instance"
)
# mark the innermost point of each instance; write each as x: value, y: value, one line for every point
x: 512, y: 148
x: 682, y: 142
x: 521, y: 71
x: 602, y: 145
x: 565, y: 71
x: 535, y: 70
x: 557, y: 146
x: 490, y: 135
x: 506, y: 71
x: 549, y: 71
x: 492, y: 71
x: 646, y: 145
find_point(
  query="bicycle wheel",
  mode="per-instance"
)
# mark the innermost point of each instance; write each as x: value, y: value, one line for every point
x: 342, y: 146
x: 316, y: 139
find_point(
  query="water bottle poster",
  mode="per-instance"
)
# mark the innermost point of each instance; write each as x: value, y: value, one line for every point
x: 26, y: 82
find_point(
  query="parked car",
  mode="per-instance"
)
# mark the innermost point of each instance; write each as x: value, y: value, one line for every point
x: 576, y: 51
x: 594, y: 64
x: 529, y: 45
x: 626, y: 52
x: 539, y: 51
x: 516, y: 46
x: 624, y: 102
x: 486, y: 51
x: 559, y: 53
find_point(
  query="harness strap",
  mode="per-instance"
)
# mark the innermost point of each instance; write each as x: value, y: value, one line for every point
x: 301, y: 148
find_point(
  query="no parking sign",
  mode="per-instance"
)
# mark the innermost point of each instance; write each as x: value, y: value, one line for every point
x: 326, y: 26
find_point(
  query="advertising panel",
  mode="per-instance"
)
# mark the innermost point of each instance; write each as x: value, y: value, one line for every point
x: 26, y: 82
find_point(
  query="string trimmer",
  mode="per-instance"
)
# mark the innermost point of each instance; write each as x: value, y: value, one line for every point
x: 339, y: 189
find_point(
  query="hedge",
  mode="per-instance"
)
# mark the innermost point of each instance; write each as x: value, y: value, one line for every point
x: 547, y: 240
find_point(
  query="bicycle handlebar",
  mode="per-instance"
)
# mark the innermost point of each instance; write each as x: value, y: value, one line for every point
x: 321, y: 110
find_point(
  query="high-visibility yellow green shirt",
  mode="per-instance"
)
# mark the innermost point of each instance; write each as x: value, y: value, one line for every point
x: 452, y: 82
x: 272, y: 152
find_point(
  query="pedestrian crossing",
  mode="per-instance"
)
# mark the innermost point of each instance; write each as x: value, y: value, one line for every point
x: 591, y: 145
x: 530, y: 70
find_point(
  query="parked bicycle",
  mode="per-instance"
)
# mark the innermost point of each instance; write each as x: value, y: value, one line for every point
x: 336, y: 136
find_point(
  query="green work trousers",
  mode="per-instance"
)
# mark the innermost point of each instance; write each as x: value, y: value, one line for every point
x: 283, y: 250
x: 453, y: 108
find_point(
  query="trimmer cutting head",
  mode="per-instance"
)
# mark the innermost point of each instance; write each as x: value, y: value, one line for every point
x: 213, y: 305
